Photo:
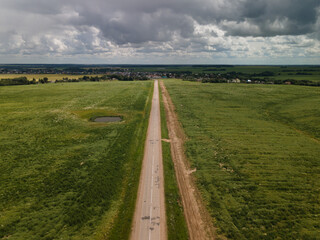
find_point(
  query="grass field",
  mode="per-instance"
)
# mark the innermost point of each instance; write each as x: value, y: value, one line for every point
x: 176, y: 223
x: 256, y: 149
x: 62, y: 176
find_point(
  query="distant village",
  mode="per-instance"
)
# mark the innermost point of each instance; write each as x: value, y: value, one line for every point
x: 90, y: 73
x: 128, y: 74
x: 65, y: 74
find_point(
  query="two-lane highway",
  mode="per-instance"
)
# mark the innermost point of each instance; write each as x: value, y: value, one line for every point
x: 150, y: 219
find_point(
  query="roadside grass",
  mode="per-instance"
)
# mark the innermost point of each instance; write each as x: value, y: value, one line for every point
x: 120, y: 229
x: 176, y: 223
x: 256, y: 149
x: 62, y: 176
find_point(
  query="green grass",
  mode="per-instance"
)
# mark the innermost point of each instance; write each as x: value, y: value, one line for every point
x: 256, y: 149
x: 176, y: 223
x: 63, y: 176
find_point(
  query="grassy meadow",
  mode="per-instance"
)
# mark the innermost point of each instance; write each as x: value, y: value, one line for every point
x: 63, y: 176
x: 256, y: 149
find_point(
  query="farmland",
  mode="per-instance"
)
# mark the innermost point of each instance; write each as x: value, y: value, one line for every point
x: 51, y: 77
x: 63, y: 176
x: 256, y: 149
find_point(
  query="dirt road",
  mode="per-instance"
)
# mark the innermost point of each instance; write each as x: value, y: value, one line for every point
x: 198, y: 219
x: 150, y: 219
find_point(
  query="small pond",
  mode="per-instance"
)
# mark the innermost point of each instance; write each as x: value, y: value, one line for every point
x: 107, y: 119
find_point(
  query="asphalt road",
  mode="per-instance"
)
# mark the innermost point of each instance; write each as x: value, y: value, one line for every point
x: 150, y: 219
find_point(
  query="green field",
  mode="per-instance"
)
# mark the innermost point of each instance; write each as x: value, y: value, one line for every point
x: 63, y: 176
x: 257, y: 153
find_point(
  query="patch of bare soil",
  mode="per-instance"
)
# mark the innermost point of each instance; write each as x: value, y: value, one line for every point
x: 198, y: 219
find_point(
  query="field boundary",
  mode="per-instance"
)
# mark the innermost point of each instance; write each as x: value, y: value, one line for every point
x: 197, y: 218
x: 176, y: 223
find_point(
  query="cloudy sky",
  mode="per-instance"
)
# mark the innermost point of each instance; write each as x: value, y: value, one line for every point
x: 160, y: 31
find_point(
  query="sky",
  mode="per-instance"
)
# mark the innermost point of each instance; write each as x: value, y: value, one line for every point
x: 160, y: 31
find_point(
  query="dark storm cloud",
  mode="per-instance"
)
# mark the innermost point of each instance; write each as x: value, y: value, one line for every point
x: 273, y: 17
x: 149, y: 20
x: 142, y: 27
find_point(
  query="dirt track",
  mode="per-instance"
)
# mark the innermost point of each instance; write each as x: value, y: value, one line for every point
x: 150, y: 220
x: 198, y: 220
